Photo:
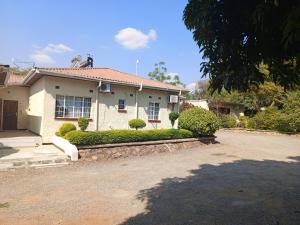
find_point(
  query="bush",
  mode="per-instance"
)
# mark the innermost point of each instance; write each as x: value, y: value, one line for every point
x: 265, y: 120
x: 185, y: 105
x: 137, y: 123
x: 228, y: 121
x: 200, y: 121
x: 65, y: 128
x: 244, y: 121
x: 173, y: 116
x: 288, y: 122
x: 83, y: 123
x: 122, y: 136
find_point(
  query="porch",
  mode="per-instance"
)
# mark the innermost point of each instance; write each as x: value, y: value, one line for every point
x: 23, y: 149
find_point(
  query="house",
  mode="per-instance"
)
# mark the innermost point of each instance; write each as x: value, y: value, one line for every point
x: 47, y: 97
x: 219, y: 107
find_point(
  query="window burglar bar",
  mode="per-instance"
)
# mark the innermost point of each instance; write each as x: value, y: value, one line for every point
x: 72, y: 107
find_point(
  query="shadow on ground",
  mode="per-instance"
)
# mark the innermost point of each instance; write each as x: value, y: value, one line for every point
x: 242, y: 192
x: 5, y: 150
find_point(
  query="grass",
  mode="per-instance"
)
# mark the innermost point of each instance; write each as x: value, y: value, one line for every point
x: 4, y: 205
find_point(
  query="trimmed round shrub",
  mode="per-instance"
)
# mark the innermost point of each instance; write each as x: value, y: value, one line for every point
x: 83, y: 123
x: 200, y: 121
x: 66, y: 128
x: 228, y: 121
x: 173, y: 116
x: 136, y: 123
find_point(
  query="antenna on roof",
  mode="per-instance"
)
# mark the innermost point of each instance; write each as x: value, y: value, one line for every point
x: 76, y: 60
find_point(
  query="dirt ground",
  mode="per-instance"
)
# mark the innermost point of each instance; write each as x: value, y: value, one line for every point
x: 247, y: 178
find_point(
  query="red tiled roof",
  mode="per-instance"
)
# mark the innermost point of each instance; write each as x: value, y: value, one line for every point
x: 107, y: 74
x: 15, y: 79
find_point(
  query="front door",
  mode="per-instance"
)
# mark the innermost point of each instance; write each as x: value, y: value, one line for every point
x: 10, y: 115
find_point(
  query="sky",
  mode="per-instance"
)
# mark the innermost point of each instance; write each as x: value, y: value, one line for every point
x: 115, y: 33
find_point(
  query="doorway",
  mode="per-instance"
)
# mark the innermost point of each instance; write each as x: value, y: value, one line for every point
x: 10, y: 115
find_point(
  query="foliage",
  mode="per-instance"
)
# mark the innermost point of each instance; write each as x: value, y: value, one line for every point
x: 235, y: 43
x: 244, y: 121
x: 292, y: 102
x: 263, y: 95
x: 228, y: 121
x: 65, y: 128
x: 136, y: 123
x: 199, y: 91
x: 173, y: 116
x: 265, y: 120
x: 122, y: 136
x: 200, y: 121
x: 160, y: 74
x: 83, y: 123
x: 185, y: 105
x: 289, y: 122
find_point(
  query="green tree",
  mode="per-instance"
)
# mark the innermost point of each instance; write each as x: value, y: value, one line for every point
x: 160, y: 74
x: 236, y: 37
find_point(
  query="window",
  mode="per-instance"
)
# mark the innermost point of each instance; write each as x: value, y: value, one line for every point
x: 72, y: 107
x: 121, y: 104
x: 153, y: 111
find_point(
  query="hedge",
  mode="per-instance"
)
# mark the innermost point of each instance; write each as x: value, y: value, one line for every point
x: 122, y: 136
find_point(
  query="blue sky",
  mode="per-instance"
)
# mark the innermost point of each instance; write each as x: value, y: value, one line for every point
x: 116, y: 33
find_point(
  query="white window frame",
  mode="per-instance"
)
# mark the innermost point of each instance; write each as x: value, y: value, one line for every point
x: 73, y: 106
x: 152, y: 116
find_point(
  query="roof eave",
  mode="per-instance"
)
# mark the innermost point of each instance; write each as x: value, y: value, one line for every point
x: 41, y: 72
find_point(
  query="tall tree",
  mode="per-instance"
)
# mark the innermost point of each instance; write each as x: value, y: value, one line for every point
x: 160, y: 74
x: 235, y: 37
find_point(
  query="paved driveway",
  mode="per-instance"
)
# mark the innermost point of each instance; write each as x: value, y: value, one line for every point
x: 246, y: 179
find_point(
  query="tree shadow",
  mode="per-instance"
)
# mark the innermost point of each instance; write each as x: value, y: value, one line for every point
x: 244, y: 192
x: 6, y: 150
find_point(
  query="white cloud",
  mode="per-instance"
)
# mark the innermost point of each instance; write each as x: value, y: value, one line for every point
x: 44, y: 55
x: 132, y: 38
x: 57, y: 48
x: 42, y: 58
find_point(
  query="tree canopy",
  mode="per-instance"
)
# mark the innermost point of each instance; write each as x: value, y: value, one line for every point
x: 160, y: 73
x: 236, y: 37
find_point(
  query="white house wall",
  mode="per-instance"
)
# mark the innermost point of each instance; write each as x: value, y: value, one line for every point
x: 20, y: 94
x: 36, y: 107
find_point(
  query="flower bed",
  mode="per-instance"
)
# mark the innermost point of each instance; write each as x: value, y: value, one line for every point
x: 81, y: 138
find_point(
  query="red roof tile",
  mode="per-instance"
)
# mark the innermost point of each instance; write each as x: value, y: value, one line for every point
x: 15, y: 79
x: 107, y: 74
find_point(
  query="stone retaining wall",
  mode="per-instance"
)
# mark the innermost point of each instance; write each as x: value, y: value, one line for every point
x: 113, y: 151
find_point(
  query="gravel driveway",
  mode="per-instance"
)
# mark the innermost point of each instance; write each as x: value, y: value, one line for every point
x: 246, y: 179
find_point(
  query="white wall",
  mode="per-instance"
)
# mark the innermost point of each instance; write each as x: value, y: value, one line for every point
x: 43, y: 98
x: 20, y: 94
x: 36, y: 106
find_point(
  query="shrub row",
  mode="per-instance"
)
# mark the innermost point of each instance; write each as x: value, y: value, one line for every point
x: 122, y: 136
x: 273, y: 119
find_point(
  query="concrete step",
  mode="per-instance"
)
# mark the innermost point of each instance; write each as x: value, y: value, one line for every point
x: 19, y: 142
x: 36, y: 162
